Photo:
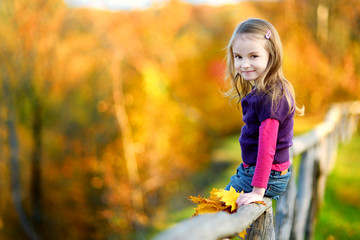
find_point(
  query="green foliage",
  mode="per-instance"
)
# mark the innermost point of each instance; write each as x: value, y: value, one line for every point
x: 339, y: 216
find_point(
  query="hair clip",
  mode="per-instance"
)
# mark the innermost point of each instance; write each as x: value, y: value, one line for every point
x: 268, y: 35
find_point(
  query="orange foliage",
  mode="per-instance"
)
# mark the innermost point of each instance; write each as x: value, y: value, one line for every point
x: 169, y: 64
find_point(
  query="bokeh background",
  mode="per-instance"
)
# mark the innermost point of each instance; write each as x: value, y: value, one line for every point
x: 109, y: 119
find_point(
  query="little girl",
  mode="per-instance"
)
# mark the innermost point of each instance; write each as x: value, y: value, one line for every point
x: 254, y: 70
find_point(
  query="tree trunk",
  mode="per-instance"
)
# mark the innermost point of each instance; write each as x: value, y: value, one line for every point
x: 128, y: 145
x: 14, y: 161
x: 36, y: 170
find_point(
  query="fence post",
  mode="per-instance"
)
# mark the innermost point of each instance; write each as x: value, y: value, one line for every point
x: 285, y: 210
x: 303, y: 198
x: 316, y: 200
x: 263, y: 227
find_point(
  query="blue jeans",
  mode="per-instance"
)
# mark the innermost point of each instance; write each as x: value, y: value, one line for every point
x: 242, y: 181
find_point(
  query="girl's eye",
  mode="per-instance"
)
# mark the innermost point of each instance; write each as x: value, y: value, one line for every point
x: 237, y: 57
x: 254, y: 56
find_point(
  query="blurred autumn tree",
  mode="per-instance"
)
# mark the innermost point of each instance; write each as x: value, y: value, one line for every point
x: 103, y: 114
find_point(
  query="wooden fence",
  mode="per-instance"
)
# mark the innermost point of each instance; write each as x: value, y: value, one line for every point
x: 297, y: 207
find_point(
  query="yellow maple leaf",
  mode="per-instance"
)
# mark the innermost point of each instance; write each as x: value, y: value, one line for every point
x: 228, y: 197
x: 207, y: 205
x: 213, y: 193
x: 243, y: 233
x: 196, y: 199
x: 205, y: 208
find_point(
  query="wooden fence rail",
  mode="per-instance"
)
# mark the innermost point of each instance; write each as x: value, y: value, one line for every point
x: 297, y: 207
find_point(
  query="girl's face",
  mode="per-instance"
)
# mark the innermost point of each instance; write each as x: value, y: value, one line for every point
x: 250, y: 56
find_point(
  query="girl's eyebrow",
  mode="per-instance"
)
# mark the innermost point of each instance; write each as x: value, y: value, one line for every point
x: 254, y: 52
x: 250, y: 53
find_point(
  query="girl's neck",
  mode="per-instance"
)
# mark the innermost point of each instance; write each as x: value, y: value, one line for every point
x: 253, y: 85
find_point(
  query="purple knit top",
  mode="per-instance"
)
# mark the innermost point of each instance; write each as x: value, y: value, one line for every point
x: 256, y: 107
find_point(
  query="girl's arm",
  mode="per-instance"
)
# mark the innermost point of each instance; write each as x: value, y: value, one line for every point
x: 268, y: 132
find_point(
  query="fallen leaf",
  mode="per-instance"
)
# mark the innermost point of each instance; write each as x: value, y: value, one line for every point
x: 205, y: 208
x: 243, y: 233
x: 260, y: 202
x: 208, y: 205
x: 228, y: 197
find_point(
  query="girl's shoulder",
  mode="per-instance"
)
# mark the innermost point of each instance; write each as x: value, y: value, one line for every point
x: 276, y: 105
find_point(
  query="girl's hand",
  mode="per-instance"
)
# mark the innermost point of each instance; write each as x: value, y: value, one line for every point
x: 257, y: 194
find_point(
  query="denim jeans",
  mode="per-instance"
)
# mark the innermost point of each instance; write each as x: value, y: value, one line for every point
x: 242, y: 181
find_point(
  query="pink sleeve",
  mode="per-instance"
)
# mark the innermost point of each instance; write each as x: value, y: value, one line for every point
x: 268, y: 133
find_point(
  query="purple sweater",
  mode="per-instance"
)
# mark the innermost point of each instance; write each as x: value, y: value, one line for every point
x: 257, y: 108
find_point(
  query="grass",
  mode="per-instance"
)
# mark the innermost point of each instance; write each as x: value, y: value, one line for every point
x: 339, y: 217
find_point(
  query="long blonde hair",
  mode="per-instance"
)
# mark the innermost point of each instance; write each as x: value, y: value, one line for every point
x: 272, y: 82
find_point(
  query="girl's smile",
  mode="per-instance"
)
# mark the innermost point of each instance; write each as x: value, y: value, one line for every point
x: 250, y: 56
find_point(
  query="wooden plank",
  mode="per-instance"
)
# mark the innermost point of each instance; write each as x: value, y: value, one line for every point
x: 315, y: 202
x: 216, y: 226
x: 303, y: 142
x: 285, y: 211
x: 263, y: 227
x: 304, y: 194
x: 334, y: 139
x: 322, y: 168
x: 338, y: 113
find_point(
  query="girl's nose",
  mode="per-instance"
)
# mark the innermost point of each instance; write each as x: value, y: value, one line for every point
x: 245, y: 64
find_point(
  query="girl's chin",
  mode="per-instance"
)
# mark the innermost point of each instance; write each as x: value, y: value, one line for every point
x: 248, y: 78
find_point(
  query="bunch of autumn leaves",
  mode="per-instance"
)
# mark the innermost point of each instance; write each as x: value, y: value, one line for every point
x: 219, y: 200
